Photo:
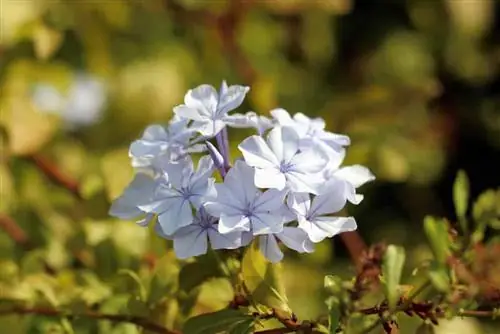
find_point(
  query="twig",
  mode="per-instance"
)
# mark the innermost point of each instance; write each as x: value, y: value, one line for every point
x: 15, y: 232
x: 139, y: 321
x: 53, y: 172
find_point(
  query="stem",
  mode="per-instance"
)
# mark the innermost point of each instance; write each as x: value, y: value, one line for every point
x: 227, y: 152
x: 15, y: 232
x: 53, y: 173
x: 47, y: 312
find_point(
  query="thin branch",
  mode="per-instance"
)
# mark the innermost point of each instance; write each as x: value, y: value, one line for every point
x: 54, y: 174
x: 15, y: 232
x: 47, y: 312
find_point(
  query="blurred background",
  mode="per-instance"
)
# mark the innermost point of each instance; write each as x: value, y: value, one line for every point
x: 415, y: 84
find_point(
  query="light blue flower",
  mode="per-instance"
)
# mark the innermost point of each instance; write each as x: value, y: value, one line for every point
x: 138, y: 192
x: 292, y: 237
x: 353, y: 176
x: 240, y: 206
x: 250, y: 120
x: 314, y: 216
x: 179, y: 190
x: 208, y: 109
x: 311, y: 132
x: 157, y: 140
x: 192, y: 240
x: 279, y: 163
x: 82, y: 105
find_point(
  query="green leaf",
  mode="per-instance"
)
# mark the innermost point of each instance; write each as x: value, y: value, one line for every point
x: 392, y: 269
x: 333, y: 304
x: 218, y: 322
x: 164, y: 282
x: 137, y: 280
x: 195, y: 273
x: 263, y: 279
x: 333, y: 284
x: 137, y: 307
x: 486, y: 211
x: 425, y: 328
x: 461, y: 198
x: 439, y: 277
x: 437, y: 234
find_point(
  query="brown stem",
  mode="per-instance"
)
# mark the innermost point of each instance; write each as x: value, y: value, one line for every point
x: 15, y: 232
x: 141, y: 322
x: 355, y: 246
x: 54, y: 174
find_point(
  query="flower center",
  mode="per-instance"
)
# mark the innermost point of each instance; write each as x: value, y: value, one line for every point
x: 285, y: 167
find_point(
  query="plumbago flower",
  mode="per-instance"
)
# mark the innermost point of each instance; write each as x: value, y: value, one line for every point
x: 287, y: 189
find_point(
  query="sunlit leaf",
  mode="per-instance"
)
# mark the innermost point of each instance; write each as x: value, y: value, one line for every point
x: 461, y: 198
x: 217, y: 322
x: 392, y: 269
x: 437, y: 234
x: 263, y: 279
x: 46, y: 41
x: 439, y: 277
x: 333, y: 304
x: 195, y: 273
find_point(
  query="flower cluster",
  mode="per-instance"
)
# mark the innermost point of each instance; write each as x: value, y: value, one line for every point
x: 287, y: 188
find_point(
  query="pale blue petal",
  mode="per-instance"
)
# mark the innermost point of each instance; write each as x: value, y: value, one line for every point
x: 208, y: 127
x: 234, y: 223
x: 282, y: 116
x: 188, y: 113
x: 230, y: 240
x: 357, y: 175
x: 216, y: 209
x: 270, y: 178
x: 270, y: 200
x: 231, y: 98
x: 331, y: 200
x: 191, y: 241
x: 205, y: 168
x: 309, y: 161
x: 123, y: 208
x: 257, y: 153
x: 266, y: 223
x: 269, y: 247
x: 296, y: 239
x: 299, y: 203
x: 204, y: 98
x: 305, y: 183
x: 240, y: 186
x: 179, y: 215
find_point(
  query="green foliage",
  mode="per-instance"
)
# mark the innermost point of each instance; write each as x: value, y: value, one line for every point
x: 392, y: 270
x: 262, y: 279
x: 461, y: 198
x: 437, y: 234
x: 228, y: 321
x: 67, y: 267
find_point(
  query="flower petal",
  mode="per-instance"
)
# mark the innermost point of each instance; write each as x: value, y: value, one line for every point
x: 179, y: 215
x: 269, y: 247
x: 234, y: 223
x: 188, y: 113
x: 295, y: 239
x: 203, y: 98
x: 266, y: 223
x: 231, y: 98
x: 191, y: 241
x: 357, y: 175
x: 299, y: 203
x: 269, y: 178
x: 257, y: 153
x: 331, y: 200
x: 270, y: 200
x: 230, y: 240
x: 320, y: 228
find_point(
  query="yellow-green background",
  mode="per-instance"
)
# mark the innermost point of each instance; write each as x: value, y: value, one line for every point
x: 415, y: 84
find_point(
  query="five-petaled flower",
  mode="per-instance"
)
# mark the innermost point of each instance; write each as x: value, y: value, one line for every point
x: 208, y: 109
x: 240, y: 206
x: 178, y: 191
x: 279, y: 163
